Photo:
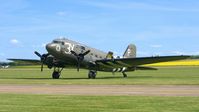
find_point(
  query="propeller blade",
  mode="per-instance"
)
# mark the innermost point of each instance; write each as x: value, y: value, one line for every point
x: 86, y: 52
x: 42, y: 58
x: 78, y: 66
x: 74, y: 53
x: 80, y: 58
x: 42, y: 67
x: 39, y: 55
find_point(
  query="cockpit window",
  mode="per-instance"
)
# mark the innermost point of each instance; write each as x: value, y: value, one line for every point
x: 56, y: 42
x: 80, y: 47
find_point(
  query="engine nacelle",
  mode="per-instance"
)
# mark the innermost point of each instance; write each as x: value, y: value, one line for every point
x: 51, y: 62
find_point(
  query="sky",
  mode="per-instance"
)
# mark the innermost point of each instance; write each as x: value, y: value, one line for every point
x: 156, y: 27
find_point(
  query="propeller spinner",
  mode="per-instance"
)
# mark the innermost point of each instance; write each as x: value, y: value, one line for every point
x: 80, y: 57
x: 42, y: 58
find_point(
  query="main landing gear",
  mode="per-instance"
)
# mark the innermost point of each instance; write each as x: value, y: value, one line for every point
x: 56, y: 73
x: 124, y: 74
x: 92, y: 74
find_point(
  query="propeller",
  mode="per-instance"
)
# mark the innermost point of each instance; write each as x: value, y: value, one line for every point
x: 80, y: 57
x: 42, y: 58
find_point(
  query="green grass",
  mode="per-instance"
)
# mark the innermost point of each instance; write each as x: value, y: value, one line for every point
x: 63, y: 103
x: 163, y: 76
x: 67, y: 103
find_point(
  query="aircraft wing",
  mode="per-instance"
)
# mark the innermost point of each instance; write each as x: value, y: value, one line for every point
x: 139, y: 68
x: 144, y: 68
x: 28, y: 61
x: 134, y: 62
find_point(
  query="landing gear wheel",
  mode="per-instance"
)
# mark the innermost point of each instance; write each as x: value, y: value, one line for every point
x: 57, y: 72
x: 92, y: 74
x: 55, y: 75
x: 124, y: 75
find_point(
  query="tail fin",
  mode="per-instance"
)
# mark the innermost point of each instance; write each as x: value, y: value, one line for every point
x: 130, y: 51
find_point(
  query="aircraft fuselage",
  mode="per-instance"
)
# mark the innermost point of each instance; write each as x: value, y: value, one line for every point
x: 61, y: 50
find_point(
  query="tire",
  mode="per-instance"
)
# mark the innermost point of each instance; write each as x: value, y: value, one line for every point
x: 89, y: 75
x: 124, y: 75
x: 55, y: 75
x: 92, y: 74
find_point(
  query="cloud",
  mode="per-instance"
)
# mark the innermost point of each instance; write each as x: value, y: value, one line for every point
x: 185, y: 53
x: 43, y: 45
x: 61, y: 13
x: 117, y: 54
x: 7, y: 6
x: 194, y: 53
x: 168, y: 32
x: 39, y: 46
x: 143, y: 53
x: 2, y: 54
x: 14, y: 41
x: 129, y: 5
x: 156, y: 46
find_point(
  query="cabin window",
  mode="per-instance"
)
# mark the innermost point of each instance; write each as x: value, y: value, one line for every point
x: 96, y: 55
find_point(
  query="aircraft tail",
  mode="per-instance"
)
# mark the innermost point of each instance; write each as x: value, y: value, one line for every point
x: 130, y: 51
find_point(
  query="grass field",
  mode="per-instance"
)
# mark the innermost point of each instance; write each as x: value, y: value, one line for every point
x: 188, y: 75
x: 63, y: 103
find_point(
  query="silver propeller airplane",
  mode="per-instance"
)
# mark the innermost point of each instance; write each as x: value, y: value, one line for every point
x: 63, y: 53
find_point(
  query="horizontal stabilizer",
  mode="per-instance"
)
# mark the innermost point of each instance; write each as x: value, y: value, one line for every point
x: 135, y: 62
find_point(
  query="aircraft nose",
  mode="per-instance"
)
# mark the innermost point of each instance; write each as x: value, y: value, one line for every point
x: 52, y: 47
x: 48, y: 46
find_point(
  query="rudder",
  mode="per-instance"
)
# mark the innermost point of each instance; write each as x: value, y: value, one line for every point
x: 130, y: 51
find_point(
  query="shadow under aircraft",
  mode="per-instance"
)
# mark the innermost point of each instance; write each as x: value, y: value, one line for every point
x: 63, y: 53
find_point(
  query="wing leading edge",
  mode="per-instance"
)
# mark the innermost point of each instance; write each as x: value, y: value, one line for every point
x: 29, y: 61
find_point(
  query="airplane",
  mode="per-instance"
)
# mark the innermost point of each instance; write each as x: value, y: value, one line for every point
x: 4, y: 65
x: 64, y: 52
